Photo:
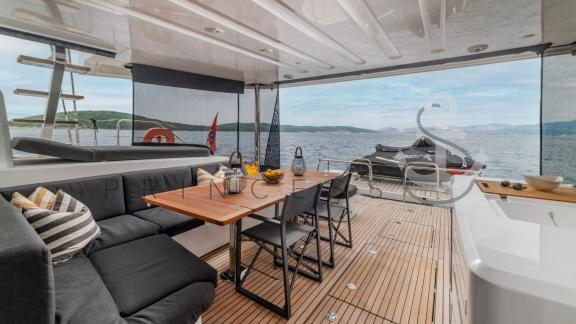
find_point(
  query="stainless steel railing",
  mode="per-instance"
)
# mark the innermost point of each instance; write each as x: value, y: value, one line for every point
x: 361, y: 161
x: 430, y: 167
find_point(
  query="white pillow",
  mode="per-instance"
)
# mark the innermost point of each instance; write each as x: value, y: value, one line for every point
x: 204, y: 176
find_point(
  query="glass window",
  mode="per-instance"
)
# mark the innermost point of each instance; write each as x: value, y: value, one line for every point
x: 490, y: 110
x: 559, y: 116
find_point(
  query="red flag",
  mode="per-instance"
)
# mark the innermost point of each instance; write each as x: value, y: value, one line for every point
x: 211, y: 139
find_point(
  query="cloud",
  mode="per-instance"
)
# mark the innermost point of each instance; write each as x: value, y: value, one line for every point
x: 482, y: 94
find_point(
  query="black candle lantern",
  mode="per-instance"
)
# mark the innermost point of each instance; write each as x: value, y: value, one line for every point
x: 298, y: 163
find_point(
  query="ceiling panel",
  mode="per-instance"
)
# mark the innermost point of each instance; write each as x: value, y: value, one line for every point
x: 420, y: 30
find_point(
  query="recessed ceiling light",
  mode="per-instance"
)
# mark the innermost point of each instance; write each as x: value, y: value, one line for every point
x: 214, y: 30
x: 137, y: 14
x: 288, y: 76
x: 477, y: 48
x: 265, y: 50
x: 231, y: 24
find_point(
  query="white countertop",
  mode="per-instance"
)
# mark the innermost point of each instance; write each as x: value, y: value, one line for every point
x: 527, y: 257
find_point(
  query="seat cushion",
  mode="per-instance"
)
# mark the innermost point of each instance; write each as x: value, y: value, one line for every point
x: 269, y: 232
x: 103, y: 195
x: 121, y: 229
x: 142, y: 183
x: 171, y: 223
x: 184, y: 306
x: 142, y: 272
x: 81, y: 296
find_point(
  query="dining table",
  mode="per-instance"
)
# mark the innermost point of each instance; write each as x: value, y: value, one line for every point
x: 209, y: 203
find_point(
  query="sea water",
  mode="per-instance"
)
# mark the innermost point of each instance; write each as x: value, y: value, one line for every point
x: 505, y: 156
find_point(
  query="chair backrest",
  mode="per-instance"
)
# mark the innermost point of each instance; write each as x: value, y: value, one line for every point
x: 297, y: 203
x: 339, y: 185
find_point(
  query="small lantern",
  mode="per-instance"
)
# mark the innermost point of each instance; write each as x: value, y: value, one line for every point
x: 234, y: 180
x: 298, y: 163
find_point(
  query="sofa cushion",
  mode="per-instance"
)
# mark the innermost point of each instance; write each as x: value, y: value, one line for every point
x: 142, y: 272
x: 26, y: 273
x: 104, y: 195
x: 142, y: 183
x: 121, y: 229
x: 81, y: 296
x: 184, y: 306
x: 171, y: 223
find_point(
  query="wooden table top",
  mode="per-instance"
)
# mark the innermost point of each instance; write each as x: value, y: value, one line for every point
x: 196, y: 201
x: 559, y: 194
x: 198, y: 206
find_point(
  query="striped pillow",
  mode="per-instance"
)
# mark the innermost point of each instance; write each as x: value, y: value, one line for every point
x: 204, y: 176
x: 41, y: 197
x: 66, y: 228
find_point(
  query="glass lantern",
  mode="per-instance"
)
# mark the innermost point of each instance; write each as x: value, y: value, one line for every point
x: 298, y: 163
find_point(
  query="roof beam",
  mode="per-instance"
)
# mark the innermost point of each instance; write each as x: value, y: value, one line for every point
x: 285, y: 13
x: 359, y: 11
x: 429, y: 29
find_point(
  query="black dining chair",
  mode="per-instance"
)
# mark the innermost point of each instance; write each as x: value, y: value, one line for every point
x: 283, y: 233
x: 334, y: 215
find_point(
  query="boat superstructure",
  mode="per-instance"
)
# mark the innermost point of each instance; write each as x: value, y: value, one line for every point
x: 417, y: 237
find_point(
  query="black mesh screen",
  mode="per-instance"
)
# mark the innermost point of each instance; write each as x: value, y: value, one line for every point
x: 272, y: 152
x: 174, y: 107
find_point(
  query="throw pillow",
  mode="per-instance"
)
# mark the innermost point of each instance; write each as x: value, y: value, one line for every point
x: 204, y: 176
x: 66, y: 228
x: 41, y: 197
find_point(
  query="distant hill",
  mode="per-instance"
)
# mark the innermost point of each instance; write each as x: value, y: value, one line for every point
x: 109, y: 120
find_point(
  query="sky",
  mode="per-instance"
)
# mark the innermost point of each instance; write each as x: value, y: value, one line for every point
x: 505, y: 93
x: 100, y: 93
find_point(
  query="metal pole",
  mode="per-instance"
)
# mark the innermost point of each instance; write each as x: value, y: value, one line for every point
x: 6, y: 159
x: 54, y: 94
x: 257, y: 124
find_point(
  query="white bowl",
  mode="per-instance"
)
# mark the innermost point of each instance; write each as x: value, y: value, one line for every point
x: 543, y: 183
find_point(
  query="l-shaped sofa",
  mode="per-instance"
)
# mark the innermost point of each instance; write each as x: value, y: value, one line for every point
x: 133, y: 273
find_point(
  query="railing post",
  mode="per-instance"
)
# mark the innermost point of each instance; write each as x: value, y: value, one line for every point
x: 6, y: 159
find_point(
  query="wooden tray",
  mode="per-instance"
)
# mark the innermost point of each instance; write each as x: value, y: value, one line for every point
x: 560, y: 194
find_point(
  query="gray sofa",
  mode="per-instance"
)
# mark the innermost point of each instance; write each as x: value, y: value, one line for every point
x: 133, y: 273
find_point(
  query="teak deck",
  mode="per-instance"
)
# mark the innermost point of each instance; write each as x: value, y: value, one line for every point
x: 399, y: 263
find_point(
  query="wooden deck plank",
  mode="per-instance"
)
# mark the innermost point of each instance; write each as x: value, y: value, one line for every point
x: 404, y: 282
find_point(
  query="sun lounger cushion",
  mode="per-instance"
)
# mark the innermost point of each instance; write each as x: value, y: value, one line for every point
x: 104, y: 153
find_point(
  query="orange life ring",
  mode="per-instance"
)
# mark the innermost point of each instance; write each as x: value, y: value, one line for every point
x: 158, y: 134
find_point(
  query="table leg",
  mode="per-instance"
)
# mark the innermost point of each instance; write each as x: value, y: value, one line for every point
x: 235, y: 230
